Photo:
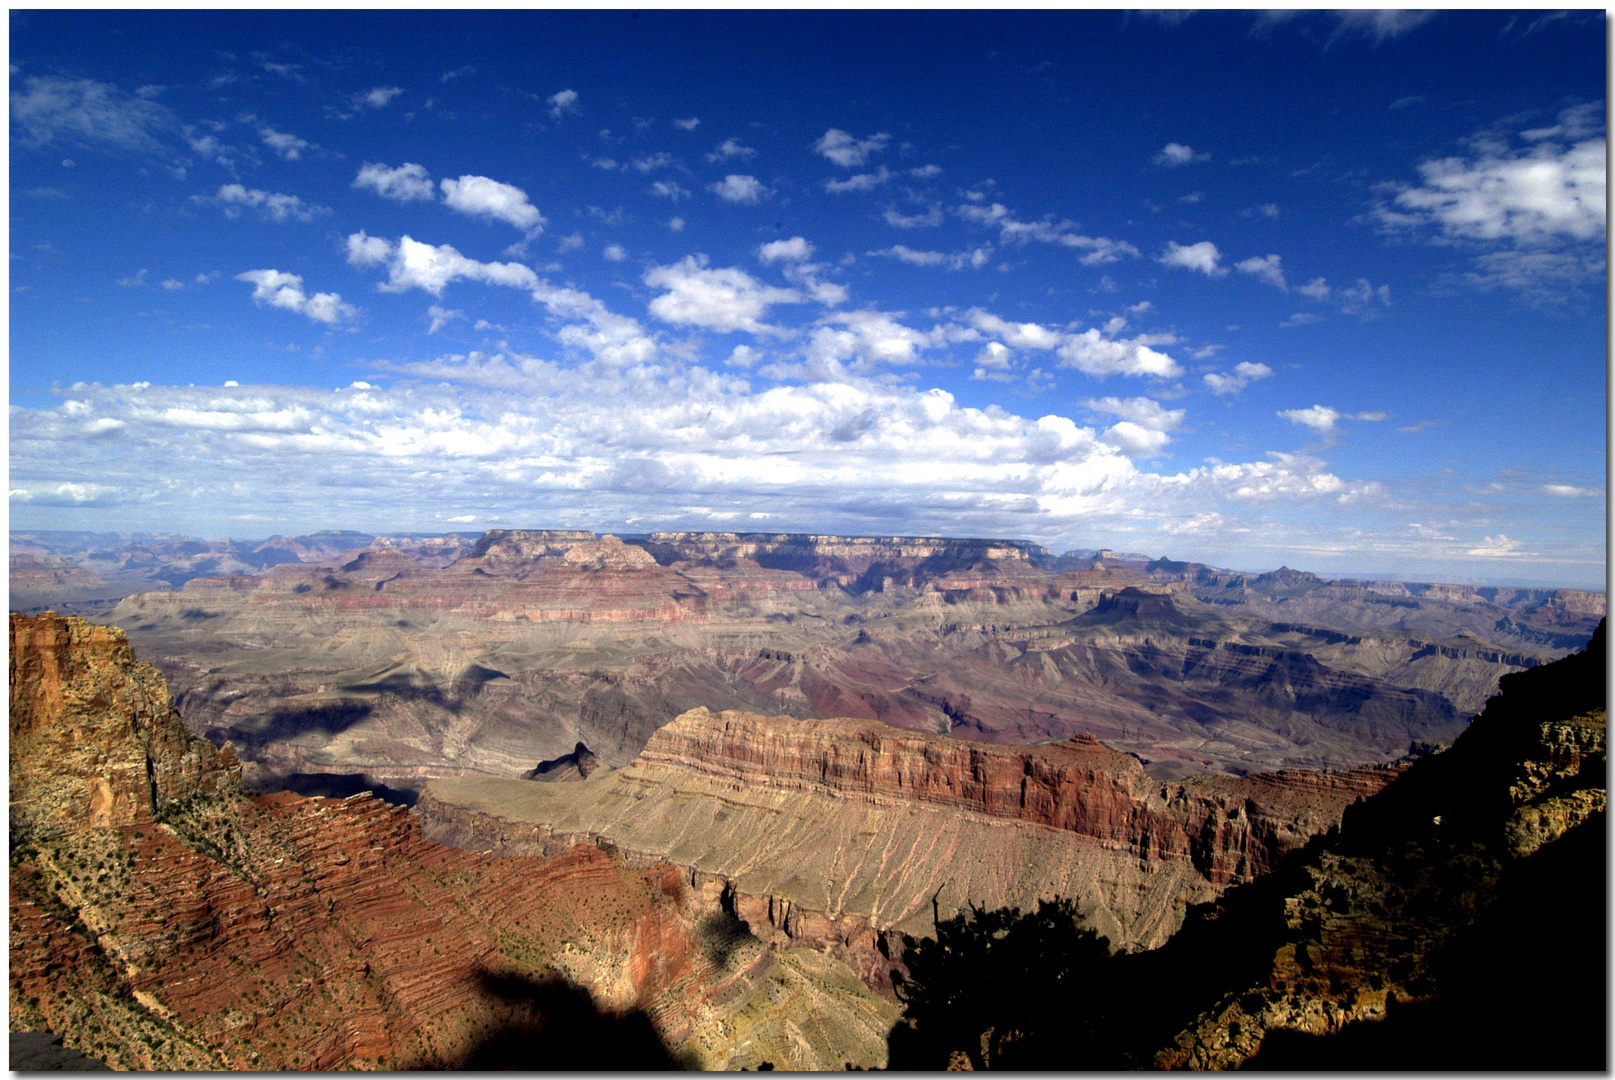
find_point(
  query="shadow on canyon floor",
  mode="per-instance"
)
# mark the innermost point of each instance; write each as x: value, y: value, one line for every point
x: 558, y: 1026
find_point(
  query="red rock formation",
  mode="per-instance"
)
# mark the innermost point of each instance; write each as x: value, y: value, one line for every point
x: 117, y: 748
x: 1232, y: 829
x: 162, y: 920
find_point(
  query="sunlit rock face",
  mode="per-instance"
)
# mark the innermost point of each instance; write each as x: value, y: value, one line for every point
x: 399, y: 662
x: 845, y: 834
x: 161, y: 919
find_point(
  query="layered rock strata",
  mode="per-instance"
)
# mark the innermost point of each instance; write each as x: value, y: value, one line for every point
x: 190, y: 927
x: 844, y: 834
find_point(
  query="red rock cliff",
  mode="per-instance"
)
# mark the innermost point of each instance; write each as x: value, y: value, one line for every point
x: 116, y: 746
x: 1232, y: 829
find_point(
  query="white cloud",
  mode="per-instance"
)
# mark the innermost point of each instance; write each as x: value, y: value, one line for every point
x: 859, y: 181
x: 566, y: 101
x: 796, y: 249
x: 1143, y: 427
x: 1323, y: 418
x: 1548, y: 194
x: 414, y: 265
x: 615, y: 253
x: 173, y: 284
x: 741, y: 189
x: 1202, y: 257
x: 1317, y: 289
x: 1094, y: 354
x: 1380, y: 24
x: 731, y: 148
x: 1174, y: 154
x: 925, y: 172
x: 1497, y: 547
x: 670, y: 189
x: 957, y: 260
x: 1568, y: 491
x: 688, y: 124
x: 1100, y: 250
x: 403, y: 184
x: 931, y: 217
x: 441, y: 317
x: 724, y: 299
x: 283, y: 290
x: 233, y: 197
x: 287, y: 145
x: 652, y: 162
x: 846, y: 151
x: 1268, y: 268
x: 376, y: 97
x: 1318, y: 417
x: 1541, y: 208
x: 88, y: 113
x: 481, y: 197
x: 676, y: 224
x: 1244, y: 374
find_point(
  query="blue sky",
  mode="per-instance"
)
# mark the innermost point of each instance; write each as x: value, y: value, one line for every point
x: 1318, y: 289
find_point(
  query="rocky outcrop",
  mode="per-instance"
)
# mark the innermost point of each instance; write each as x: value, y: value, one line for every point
x: 846, y: 834
x: 191, y: 927
x: 117, y: 749
x: 1430, y: 929
x: 1230, y: 829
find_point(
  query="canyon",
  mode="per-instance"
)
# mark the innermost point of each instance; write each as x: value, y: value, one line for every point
x: 734, y: 887
x: 333, y: 669
x: 163, y: 919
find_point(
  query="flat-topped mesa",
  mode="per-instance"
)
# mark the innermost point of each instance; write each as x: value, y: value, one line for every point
x: 530, y: 543
x: 95, y: 738
x: 1230, y: 829
x: 860, y: 563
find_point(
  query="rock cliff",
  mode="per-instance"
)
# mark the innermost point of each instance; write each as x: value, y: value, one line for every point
x: 178, y: 924
x: 117, y: 749
x: 842, y: 834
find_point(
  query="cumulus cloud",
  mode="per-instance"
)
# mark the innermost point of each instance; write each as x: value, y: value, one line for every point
x: 796, y: 249
x: 859, y: 181
x: 1243, y: 375
x: 931, y: 217
x: 741, y: 189
x: 1203, y: 257
x: 723, y: 299
x: 1569, y: 491
x: 846, y: 151
x: 1175, y: 154
x: 615, y: 253
x: 670, y: 189
x: 1095, y: 354
x: 1323, y: 418
x: 510, y: 434
x: 233, y: 198
x: 688, y: 124
x: 282, y: 290
x: 1536, y: 212
x: 406, y: 183
x: 1497, y: 547
x: 414, y: 265
x: 1269, y: 268
x: 376, y: 97
x: 1144, y: 424
x: 1548, y: 194
x: 731, y: 148
x: 481, y: 197
x: 287, y: 145
x: 563, y: 102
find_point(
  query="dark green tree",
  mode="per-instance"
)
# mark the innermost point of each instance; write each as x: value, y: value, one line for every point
x: 1008, y: 990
